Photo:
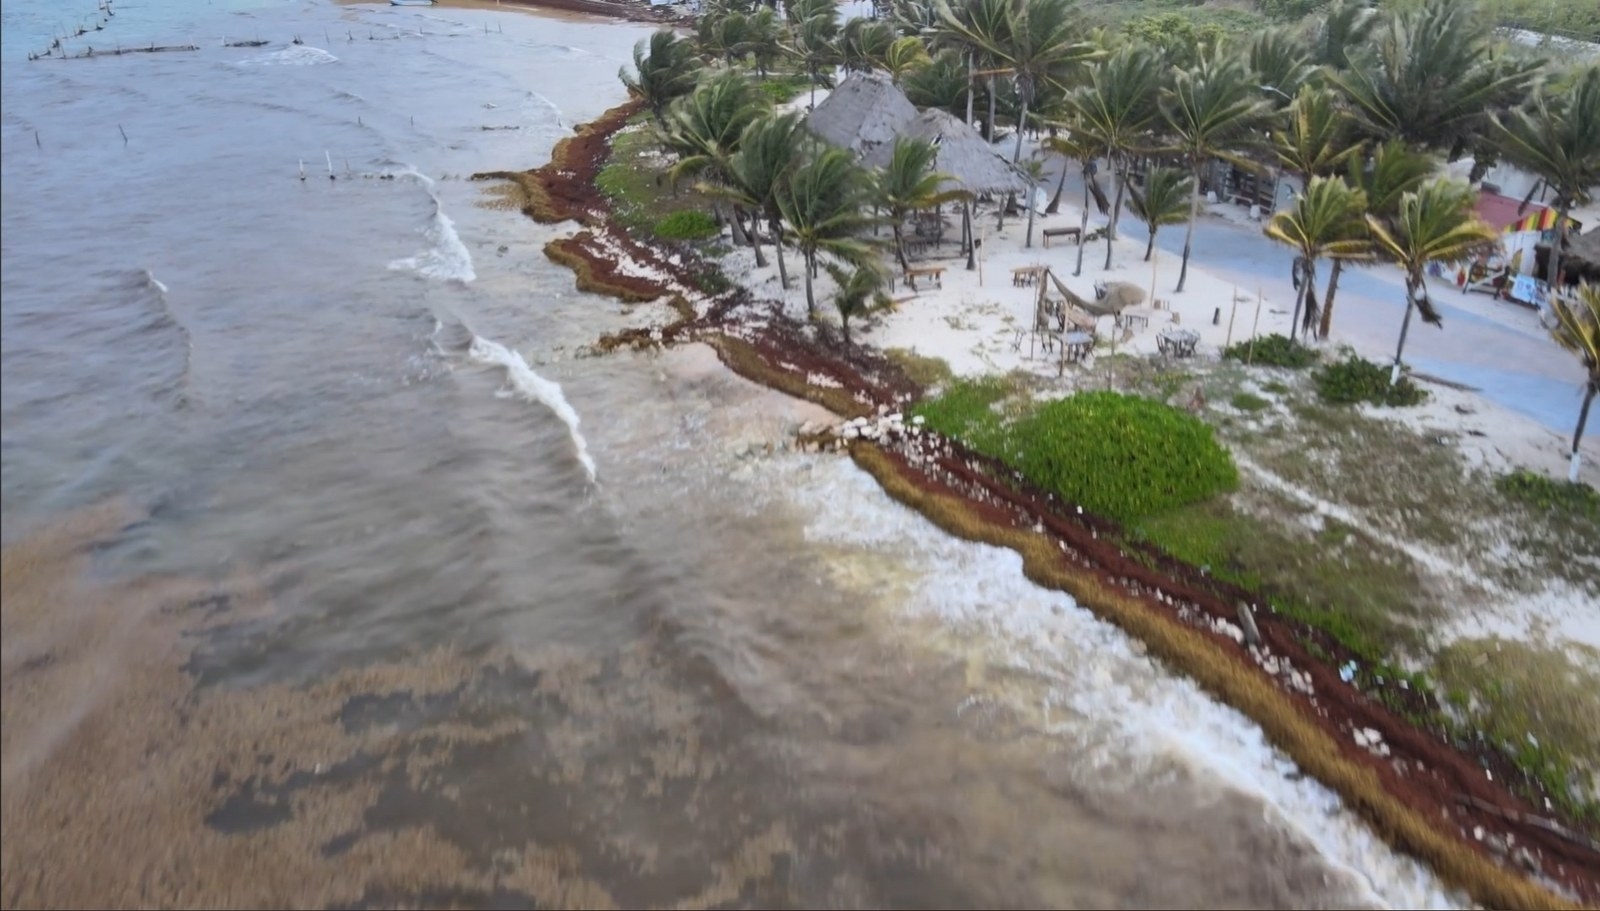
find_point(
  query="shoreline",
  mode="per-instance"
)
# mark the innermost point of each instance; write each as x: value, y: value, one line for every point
x: 1174, y: 609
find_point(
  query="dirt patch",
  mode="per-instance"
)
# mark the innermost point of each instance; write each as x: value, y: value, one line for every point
x: 1447, y: 803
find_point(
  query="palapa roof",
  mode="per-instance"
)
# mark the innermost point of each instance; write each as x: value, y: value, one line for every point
x: 962, y: 154
x: 866, y: 110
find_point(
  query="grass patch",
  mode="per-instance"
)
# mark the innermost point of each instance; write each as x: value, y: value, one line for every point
x: 965, y: 410
x: 1562, y: 498
x: 1271, y: 351
x: 1245, y: 401
x: 1538, y: 705
x: 1274, y: 387
x: 686, y: 225
x: 782, y: 89
x: 920, y: 369
x: 633, y: 184
x: 1355, y: 380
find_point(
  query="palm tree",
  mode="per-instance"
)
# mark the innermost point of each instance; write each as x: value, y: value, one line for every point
x: 825, y: 204
x: 817, y: 49
x: 1430, y: 78
x: 1076, y: 146
x: 668, y: 71
x: 905, y: 56
x: 768, y: 151
x: 941, y: 84
x: 979, y: 28
x: 1557, y: 137
x: 1281, y: 62
x: 763, y: 39
x: 1348, y: 25
x: 1392, y: 171
x: 1326, y: 221
x: 1318, y: 137
x: 704, y: 128
x: 1434, y: 224
x: 909, y: 184
x: 857, y: 292
x: 1578, y: 330
x: 1042, y: 42
x: 1164, y: 201
x: 1211, y: 109
x: 801, y: 11
x: 1115, y: 110
x: 864, y: 44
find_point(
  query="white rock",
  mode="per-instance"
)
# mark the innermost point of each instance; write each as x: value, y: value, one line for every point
x: 917, y: 419
x: 850, y: 432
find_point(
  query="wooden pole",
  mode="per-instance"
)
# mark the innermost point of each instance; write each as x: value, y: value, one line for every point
x: 1233, y: 313
x: 1253, y: 326
x: 1155, y: 255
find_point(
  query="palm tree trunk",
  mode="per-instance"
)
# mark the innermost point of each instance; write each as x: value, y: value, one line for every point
x: 777, y: 244
x: 1405, y: 326
x: 1032, y: 189
x: 972, y: 83
x: 755, y: 239
x: 1583, y: 419
x: 990, y: 136
x: 1327, y: 299
x: 1083, y: 228
x: 844, y: 323
x: 1299, y: 301
x: 1055, y: 201
x: 966, y: 234
x: 1022, y: 123
x: 1553, y: 267
x: 1188, y: 234
x: 900, y: 245
x: 811, y: 301
x: 1150, y: 248
x: 1116, y: 208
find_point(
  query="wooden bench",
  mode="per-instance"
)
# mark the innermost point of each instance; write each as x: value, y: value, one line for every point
x: 1074, y: 233
x: 1075, y: 346
x: 1133, y: 316
x: 1023, y: 276
x: 934, y: 272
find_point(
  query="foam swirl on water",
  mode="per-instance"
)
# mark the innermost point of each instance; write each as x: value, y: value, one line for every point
x: 529, y: 385
x: 447, y: 258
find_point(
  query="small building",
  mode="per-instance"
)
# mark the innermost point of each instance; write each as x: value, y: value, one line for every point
x: 866, y: 111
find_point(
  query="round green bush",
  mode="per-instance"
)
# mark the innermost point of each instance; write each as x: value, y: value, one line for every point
x: 1271, y: 351
x: 1122, y: 456
x: 1355, y: 379
x: 687, y: 225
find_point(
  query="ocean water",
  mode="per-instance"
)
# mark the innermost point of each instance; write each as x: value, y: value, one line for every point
x: 400, y: 601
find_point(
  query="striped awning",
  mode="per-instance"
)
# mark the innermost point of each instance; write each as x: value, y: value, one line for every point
x: 1537, y: 220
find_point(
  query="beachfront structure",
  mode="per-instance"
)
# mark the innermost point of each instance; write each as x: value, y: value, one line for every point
x: 959, y: 152
x: 865, y: 112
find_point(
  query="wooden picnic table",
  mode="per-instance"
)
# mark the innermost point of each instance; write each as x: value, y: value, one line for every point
x: 1075, y: 346
x: 1177, y: 342
x: 1074, y: 233
x: 915, y: 272
x: 1135, y: 315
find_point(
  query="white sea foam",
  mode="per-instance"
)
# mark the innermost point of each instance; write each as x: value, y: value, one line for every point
x: 294, y: 55
x: 529, y: 385
x: 150, y: 277
x: 446, y: 258
x: 1129, y: 720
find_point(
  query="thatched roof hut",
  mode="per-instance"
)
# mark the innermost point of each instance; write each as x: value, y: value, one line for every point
x: 866, y: 111
x: 962, y: 154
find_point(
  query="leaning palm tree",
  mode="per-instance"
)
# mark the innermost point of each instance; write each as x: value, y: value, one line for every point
x: 1115, y: 110
x: 1042, y: 45
x: 1317, y: 138
x: 1578, y: 330
x: 864, y: 44
x: 941, y: 84
x: 1077, y: 147
x: 1392, y: 171
x: 1557, y: 137
x: 1435, y: 224
x: 816, y: 47
x: 768, y: 151
x: 824, y: 204
x: 904, y: 56
x: 858, y: 291
x: 764, y: 35
x: 1163, y: 201
x: 909, y: 184
x: 1430, y: 78
x: 978, y: 28
x: 1327, y: 220
x: 668, y: 71
x: 1348, y: 25
x: 1281, y: 62
x: 704, y: 127
x: 1211, y: 109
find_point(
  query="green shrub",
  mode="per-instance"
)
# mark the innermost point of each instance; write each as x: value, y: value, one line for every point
x: 1549, y: 495
x: 1272, y: 351
x: 1122, y: 456
x: 689, y: 225
x: 965, y: 411
x: 1355, y: 380
x: 1274, y: 387
x: 781, y: 89
x: 1245, y: 401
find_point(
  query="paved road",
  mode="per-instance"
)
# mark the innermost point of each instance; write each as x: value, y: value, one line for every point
x: 1497, y: 347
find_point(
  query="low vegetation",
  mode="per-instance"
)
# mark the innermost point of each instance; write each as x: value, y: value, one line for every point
x: 1272, y: 351
x: 1355, y: 380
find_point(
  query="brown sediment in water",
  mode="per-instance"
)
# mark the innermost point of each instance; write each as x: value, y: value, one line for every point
x: 1428, y: 797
